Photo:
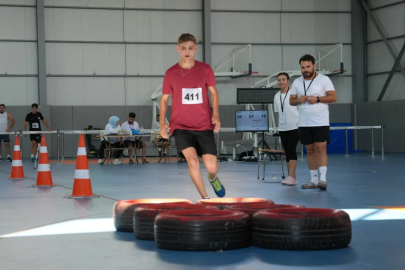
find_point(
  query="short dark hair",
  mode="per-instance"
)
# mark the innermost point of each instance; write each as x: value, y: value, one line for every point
x: 2, y: 105
x: 285, y: 74
x: 186, y: 37
x: 34, y: 105
x: 132, y: 115
x: 158, y: 115
x: 307, y: 57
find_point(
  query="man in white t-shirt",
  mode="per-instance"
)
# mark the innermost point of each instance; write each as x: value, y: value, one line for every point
x: 312, y: 93
x: 131, y: 142
x: 4, y: 118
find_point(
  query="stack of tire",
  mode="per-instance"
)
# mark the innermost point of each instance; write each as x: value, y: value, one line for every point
x: 232, y: 223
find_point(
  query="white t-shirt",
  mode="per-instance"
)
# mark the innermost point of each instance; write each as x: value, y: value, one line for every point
x: 313, y: 115
x: 110, y: 130
x: 3, y: 122
x: 288, y: 117
x: 127, y: 127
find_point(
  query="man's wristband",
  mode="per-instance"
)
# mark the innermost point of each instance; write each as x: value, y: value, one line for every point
x: 318, y: 99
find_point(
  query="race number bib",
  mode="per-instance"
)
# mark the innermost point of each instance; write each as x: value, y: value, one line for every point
x: 35, y: 125
x: 192, y: 96
x: 282, y: 119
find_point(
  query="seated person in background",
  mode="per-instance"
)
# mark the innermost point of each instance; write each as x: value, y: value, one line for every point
x: 112, y: 128
x: 158, y: 140
x: 130, y: 142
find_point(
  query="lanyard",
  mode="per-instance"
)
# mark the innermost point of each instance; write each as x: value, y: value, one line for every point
x: 283, y: 102
x: 306, y: 90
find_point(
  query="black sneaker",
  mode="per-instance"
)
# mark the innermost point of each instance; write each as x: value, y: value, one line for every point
x: 9, y: 159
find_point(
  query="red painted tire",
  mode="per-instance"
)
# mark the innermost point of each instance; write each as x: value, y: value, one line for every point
x: 144, y: 216
x: 222, y: 203
x: 250, y: 209
x: 301, y: 229
x: 205, y: 230
x: 123, y: 211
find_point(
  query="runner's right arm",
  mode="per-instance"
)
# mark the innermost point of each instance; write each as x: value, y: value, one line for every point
x: 164, y: 101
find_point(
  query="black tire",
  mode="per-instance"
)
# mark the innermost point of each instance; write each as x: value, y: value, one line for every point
x: 251, y: 209
x: 144, y: 216
x: 222, y: 203
x: 204, y: 230
x: 301, y: 229
x: 123, y: 211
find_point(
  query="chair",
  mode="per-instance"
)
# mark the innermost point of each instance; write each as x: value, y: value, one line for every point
x: 263, y: 153
x: 110, y: 149
x: 165, y: 147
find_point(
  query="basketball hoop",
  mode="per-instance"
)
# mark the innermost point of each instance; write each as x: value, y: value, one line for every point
x: 254, y: 73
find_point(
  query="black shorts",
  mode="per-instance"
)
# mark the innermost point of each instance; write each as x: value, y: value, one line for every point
x: 4, y: 138
x: 138, y: 143
x: 202, y: 141
x: 310, y: 135
x: 35, y: 137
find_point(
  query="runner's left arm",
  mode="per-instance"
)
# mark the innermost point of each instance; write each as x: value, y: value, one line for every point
x: 215, y: 108
x: 46, y: 124
x: 9, y: 117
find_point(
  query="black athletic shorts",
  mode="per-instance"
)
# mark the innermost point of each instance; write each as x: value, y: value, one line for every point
x: 202, y: 141
x: 310, y: 135
x: 35, y: 137
x: 4, y: 138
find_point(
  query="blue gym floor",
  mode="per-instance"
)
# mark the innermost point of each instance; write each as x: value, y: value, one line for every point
x: 41, y: 230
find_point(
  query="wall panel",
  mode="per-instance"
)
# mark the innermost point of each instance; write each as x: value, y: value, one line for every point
x: 18, y: 58
x: 18, y: 23
x: 85, y: 91
x: 86, y: 3
x: 18, y: 91
x: 391, y: 20
x: 317, y: 5
x: 83, y: 25
x: 379, y: 58
x: 85, y: 59
x: 246, y: 5
x: 245, y: 27
x: 161, y: 26
x: 395, y: 89
x: 164, y: 4
x: 315, y: 28
x: 153, y: 59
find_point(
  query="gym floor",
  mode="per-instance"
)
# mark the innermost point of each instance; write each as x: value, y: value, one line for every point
x: 41, y: 230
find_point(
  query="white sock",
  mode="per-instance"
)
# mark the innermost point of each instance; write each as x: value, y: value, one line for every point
x: 314, y: 176
x: 322, y: 173
x: 7, y: 156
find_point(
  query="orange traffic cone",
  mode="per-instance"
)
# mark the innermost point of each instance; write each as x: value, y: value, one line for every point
x: 44, y: 176
x: 17, y: 171
x: 82, y: 184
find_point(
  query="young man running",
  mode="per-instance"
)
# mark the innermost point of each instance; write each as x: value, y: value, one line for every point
x: 33, y: 119
x: 192, y: 122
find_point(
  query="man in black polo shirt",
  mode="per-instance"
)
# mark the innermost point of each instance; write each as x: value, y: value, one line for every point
x: 34, y: 120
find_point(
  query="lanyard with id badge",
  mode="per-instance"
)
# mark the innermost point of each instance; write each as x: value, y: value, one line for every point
x: 305, y: 104
x: 281, y: 117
